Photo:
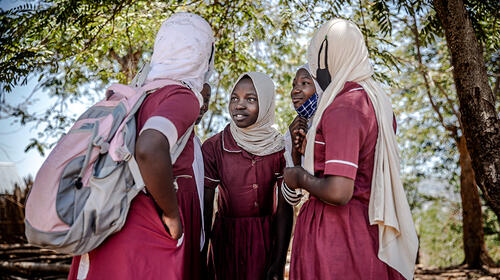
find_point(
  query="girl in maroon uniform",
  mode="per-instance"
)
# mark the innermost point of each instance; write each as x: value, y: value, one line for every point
x: 356, y: 223
x: 161, y: 236
x: 250, y: 236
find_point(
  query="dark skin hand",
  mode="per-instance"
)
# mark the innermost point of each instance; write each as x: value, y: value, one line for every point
x: 335, y: 190
x: 283, y: 227
x: 208, y: 209
x: 298, y: 130
x: 153, y: 157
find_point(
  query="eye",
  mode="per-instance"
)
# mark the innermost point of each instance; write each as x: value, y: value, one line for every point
x: 234, y: 98
x: 252, y: 99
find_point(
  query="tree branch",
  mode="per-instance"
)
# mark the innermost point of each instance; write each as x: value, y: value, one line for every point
x: 207, y: 129
x: 450, y: 102
x: 364, y: 24
x: 451, y: 128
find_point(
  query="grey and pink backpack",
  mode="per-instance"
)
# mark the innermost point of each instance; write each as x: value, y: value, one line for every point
x: 82, y: 192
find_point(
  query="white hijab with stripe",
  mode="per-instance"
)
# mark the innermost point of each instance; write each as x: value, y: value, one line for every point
x: 388, y: 208
x: 260, y: 138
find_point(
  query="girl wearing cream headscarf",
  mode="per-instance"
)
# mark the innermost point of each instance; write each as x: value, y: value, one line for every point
x: 161, y: 236
x: 250, y: 235
x: 357, y: 223
x: 305, y: 95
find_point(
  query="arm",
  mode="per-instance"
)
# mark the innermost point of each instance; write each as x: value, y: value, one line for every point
x: 208, y: 209
x: 211, y: 181
x: 283, y: 228
x: 331, y: 189
x: 344, y: 131
x: 153, y: 157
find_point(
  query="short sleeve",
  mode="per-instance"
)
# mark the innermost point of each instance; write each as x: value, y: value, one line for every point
x: 212, y: 179
x: 344, y: 130
x: 173, y: 114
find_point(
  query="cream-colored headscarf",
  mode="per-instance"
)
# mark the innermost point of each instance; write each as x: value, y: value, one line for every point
x: 319, y: 91
x: 260, y: 138
x: 388, y: 208
x: 182, y: 49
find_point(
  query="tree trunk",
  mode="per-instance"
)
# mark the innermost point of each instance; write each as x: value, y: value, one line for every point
x: 481, y: 125
x: 472, y: 220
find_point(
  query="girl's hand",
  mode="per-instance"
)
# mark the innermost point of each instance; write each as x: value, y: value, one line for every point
x: 292, y: 176
x: 303, y: 143
x: 174, y: 226
x: 298, y: 129
x: 273, y: 272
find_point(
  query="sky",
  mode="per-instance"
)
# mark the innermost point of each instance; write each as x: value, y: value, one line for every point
x: 14, y: 137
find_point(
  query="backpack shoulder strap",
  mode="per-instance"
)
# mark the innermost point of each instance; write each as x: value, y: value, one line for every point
x: 175, y: 152
x: 178, y: 147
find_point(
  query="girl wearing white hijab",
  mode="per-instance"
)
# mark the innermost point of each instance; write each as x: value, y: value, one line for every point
x: 305, y: 95
x: 357, y: 223
x: 250, y: 234
x: 161, y: 236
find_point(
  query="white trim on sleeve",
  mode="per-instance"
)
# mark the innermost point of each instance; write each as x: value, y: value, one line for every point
x: 341, y: 162
x: 163, y: 125
x: 355, y: 89
x: 213, y: 180
x: 319, y: 142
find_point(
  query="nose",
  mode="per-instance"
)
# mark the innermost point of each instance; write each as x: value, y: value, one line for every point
x: 296, y: 90
x: 240, y: 104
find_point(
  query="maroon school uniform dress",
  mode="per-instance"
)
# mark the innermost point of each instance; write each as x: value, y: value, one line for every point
x: 143, y: 249
x: 242, y: 237
x: 338, y: 242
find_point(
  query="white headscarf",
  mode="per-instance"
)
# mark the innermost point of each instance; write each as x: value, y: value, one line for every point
x: 260, y: 138
x: 348, y: 61
x: 319, y: 91
x: 182, y: 49
x: 288, y: 137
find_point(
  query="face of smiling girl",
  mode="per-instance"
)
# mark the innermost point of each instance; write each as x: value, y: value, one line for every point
x: 244, y: 103
x: 303, y: 88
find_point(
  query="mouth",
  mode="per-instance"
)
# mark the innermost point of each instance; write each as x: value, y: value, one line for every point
x: 239, y: 117
x: 297, y: 100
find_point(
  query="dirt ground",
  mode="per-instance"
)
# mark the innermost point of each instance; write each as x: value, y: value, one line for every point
x: 21, y: 261
x: 459, y: 273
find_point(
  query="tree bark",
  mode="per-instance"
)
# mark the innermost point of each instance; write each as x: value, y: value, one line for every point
x: 472, y: 219
x: 481, y: 125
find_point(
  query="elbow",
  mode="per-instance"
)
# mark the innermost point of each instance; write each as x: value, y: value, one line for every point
x: 342, y: 200
x: 338, y: 200
x: 340, y: 190
x: 143, y: 152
